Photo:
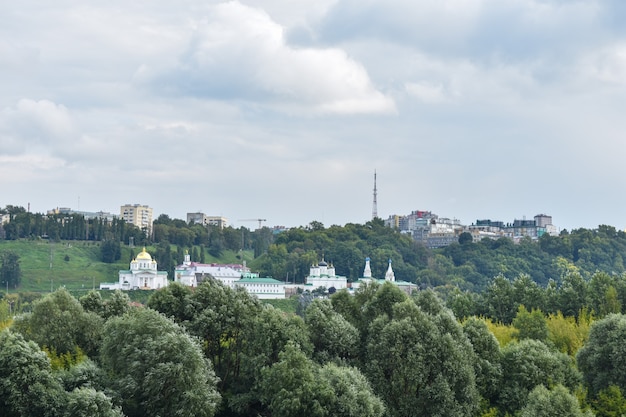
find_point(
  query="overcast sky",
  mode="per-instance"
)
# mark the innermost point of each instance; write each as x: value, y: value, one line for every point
x: 282, y: 110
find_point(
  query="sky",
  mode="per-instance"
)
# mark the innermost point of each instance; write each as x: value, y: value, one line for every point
x: 283, y: 110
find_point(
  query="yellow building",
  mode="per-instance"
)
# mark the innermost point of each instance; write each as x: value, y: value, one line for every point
x: 139, y: 215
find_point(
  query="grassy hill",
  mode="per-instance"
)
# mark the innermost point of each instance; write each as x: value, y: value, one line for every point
x: 76, y: 265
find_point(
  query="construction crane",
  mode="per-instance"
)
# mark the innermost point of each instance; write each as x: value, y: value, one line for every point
x: 254, y: 220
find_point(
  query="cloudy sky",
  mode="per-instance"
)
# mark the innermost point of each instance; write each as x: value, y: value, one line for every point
x: 283, y: 110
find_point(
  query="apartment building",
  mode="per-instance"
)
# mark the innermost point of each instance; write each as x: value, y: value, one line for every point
x: 139, y: 215
x: 203, y: 219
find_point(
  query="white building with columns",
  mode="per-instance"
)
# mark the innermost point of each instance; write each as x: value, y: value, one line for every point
x: 142, y: 275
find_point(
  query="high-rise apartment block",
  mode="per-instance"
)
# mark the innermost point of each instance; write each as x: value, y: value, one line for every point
x: 139, y: 215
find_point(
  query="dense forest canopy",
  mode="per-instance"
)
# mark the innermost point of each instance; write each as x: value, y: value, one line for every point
x: 214, y: 351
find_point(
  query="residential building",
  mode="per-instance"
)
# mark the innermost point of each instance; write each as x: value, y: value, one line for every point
x: 142, y: 275
x: 139, y: 215
x: 203, y: 219
x: 88, y: 215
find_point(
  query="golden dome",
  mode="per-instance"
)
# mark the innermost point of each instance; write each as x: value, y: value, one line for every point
x: 144, y: 256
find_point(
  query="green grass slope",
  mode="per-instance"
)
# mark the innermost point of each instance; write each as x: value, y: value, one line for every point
x: 76, y: 265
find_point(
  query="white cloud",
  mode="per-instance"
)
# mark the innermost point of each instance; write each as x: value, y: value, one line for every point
x: 238, y: 52
x: 607, y: 64
x: 427, y: 92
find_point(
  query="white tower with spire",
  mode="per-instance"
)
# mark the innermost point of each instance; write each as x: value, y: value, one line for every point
x: 389, y: 275
x: 367, y: 272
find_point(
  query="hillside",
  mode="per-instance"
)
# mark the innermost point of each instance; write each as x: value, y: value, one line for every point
x: 76, y: 265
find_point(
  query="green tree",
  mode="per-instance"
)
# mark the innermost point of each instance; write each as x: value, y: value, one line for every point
x: 156, y: 368
x: 10, y: 271
x: 530, y: 324
x: 529, y: 363
x: 421, y: 364
x: 610, y: 403
x: 266, y: 335
x: 87, y: 402
x: 333, y: 336
x: 110, y: 251
x: 557, y: 402
x: 292, y: 388
x: 59, y: 323
x: 602, y: 359
x: 352, y: 393
x: 488, y: 362
x: 499, y: 300
x: 117, y: 304
x: 27, y: 386
x: 92, y: 301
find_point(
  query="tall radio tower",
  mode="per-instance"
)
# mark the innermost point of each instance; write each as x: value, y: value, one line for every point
x: 375, y: 205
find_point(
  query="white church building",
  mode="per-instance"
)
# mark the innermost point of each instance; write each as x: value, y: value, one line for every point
x: 323, y: 275
x: 390, y: 276
x: 142, y: 275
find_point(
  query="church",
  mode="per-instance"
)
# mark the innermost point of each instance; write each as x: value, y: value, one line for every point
x: 142, y: 275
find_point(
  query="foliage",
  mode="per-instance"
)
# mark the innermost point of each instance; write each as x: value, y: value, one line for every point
x: 503, y: 333
x: 10, y: 271
x: 28, y: 386
x: 530, y: 324
x: 488, y: 362
x: 59, y: 323
x: 529, y: 363
x: 416, y: 361
x: 110, y: 250
x: 610, y: 402
x: 333, y: 337
x: 602, y: 359
x: 557, y: 402
x: 156, y: 368
x: 568, y: 334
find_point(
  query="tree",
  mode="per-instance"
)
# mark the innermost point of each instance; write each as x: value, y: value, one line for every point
x: 529, y: 363
x: 110, y: 251
x: 499, y: 300
x: 292, y: 388
x: 353, y: 395
x: 333, y: 336
x: 488, y: 362
x: 28, y: 387
x: 557, y: 402
x: 602, y: 360
x: 610, y: 403
x: 10, y: 272
x: 87, y: 402
x: 266, y: 335
x: 530, y: 324
x: 421, y: 364
x: 156, y: 368
x: 59, y: 323
x: 465, y: 238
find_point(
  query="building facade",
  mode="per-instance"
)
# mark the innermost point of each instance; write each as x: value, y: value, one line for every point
x: 139, y: 215
x: 192, y: 274
x: 142, y: 275
x: 203, y: 219
x: 323, y: 275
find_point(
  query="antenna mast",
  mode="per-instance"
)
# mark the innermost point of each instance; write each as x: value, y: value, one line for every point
x: 375, y: 205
